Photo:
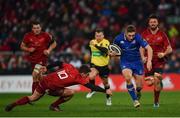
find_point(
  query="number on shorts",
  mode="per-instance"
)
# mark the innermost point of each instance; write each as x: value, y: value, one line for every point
x: 62, y: 74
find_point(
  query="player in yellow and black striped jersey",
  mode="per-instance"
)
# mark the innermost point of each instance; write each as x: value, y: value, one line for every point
x: 99, y: 61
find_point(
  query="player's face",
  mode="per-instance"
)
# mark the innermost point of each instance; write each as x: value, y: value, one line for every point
x: 130, y: 35
x: 153, y: 23
x: 36, y: 29
x: 99, y: 35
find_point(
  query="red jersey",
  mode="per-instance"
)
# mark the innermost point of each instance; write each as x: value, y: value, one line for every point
x: 159, y: 43
x: 40, y: 42
x: 66, y: 76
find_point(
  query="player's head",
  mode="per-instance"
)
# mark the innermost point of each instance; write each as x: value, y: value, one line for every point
x: 153, y: 22
x: 130, y: 32
x: 99, y: 34
x: 36, y: 27
x: 84, y: 70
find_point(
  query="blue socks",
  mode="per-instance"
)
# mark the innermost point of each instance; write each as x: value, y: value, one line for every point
x: 132, y: 91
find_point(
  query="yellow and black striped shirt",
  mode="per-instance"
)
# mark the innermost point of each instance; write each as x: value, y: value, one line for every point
x: 97, y: 57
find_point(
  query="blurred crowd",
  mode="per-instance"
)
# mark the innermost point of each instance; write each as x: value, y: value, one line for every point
x: 72, y: 23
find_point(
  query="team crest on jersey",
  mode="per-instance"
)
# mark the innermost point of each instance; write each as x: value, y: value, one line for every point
x: 121, y: 42
x: 159, y: 38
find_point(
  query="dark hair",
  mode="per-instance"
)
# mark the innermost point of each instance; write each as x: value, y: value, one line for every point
x: 35, y: 23
x: 130, y: 28
x: 153, y: 16
x: 84, y: 69
x: 98, y: 30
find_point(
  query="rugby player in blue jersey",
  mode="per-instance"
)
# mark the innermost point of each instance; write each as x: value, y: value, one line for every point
x: 130, y: 61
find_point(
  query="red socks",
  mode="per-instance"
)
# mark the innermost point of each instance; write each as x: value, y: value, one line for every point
x: 21, y: 101
x: 156, y: 96
x: 34, y: 85
x: 57, y: 102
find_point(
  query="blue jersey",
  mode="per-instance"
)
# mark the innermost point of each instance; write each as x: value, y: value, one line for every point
x: 130, y: 49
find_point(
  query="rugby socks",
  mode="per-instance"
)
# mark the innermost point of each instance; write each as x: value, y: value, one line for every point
x: 131, y: 91
x: 21, y: 101
x: 156, y: 96
x: 92, y: 82
x: 58, y: 101
x: 34, y: 85
x: 138, y: 89
x: 107, y: 87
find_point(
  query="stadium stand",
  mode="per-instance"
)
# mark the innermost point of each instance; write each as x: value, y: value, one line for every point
x: 73, y: 22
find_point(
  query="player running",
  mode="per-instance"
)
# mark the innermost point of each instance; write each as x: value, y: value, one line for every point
x: 159, y: 42
x: 54, y: 83
x: 39, y: 45
x: 99, y: 62
x: 130, y: 61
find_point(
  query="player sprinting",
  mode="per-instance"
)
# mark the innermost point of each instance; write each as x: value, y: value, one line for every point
x: 159, y: 42
x: 39, y: 45
x: 130, y: 60
x: 55, y: 83
x: 99, y: 62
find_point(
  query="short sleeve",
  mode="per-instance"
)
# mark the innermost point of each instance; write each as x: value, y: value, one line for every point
x: 25, y: 39
x: 106, y: 44
x: 49, y: 37
x: 165, y: 40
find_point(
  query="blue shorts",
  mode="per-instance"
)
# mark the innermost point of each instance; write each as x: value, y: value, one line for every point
x: 137, y: 67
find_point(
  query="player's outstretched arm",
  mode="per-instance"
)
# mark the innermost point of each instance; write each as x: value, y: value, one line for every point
x: 97, y: 88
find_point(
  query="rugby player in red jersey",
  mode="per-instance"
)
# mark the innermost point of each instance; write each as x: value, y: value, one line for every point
x: 39, y: 45
x: 159, y: 42
x: 55, y: 83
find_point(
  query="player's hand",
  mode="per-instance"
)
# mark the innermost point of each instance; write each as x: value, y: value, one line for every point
x: 109, y: 92
x: 31, y: 49
x: 112, y: 53
x: 43, y: 69
x: 161, y: 55
x: 92, y: 43
x: 46, y: 52
x: 144, y: 59
x: 149, y: 65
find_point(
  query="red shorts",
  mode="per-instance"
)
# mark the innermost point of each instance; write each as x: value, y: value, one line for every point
x: 41, y: 87
x: 157, y: 66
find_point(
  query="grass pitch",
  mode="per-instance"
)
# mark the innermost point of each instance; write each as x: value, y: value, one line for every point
x: 79, y: 106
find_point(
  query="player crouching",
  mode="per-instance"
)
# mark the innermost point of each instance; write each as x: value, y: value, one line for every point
x: 55, y: 82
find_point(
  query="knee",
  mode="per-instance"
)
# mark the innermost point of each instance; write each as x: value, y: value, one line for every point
x: 68, y: 93
x: 149, y: 82
x: 32, y: 98
x: 157, y: 88
x: 128, y: 78
x: 71, y: 92
x: 35, y: 76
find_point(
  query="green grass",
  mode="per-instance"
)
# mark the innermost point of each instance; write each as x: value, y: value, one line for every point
x: 80, y: 106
